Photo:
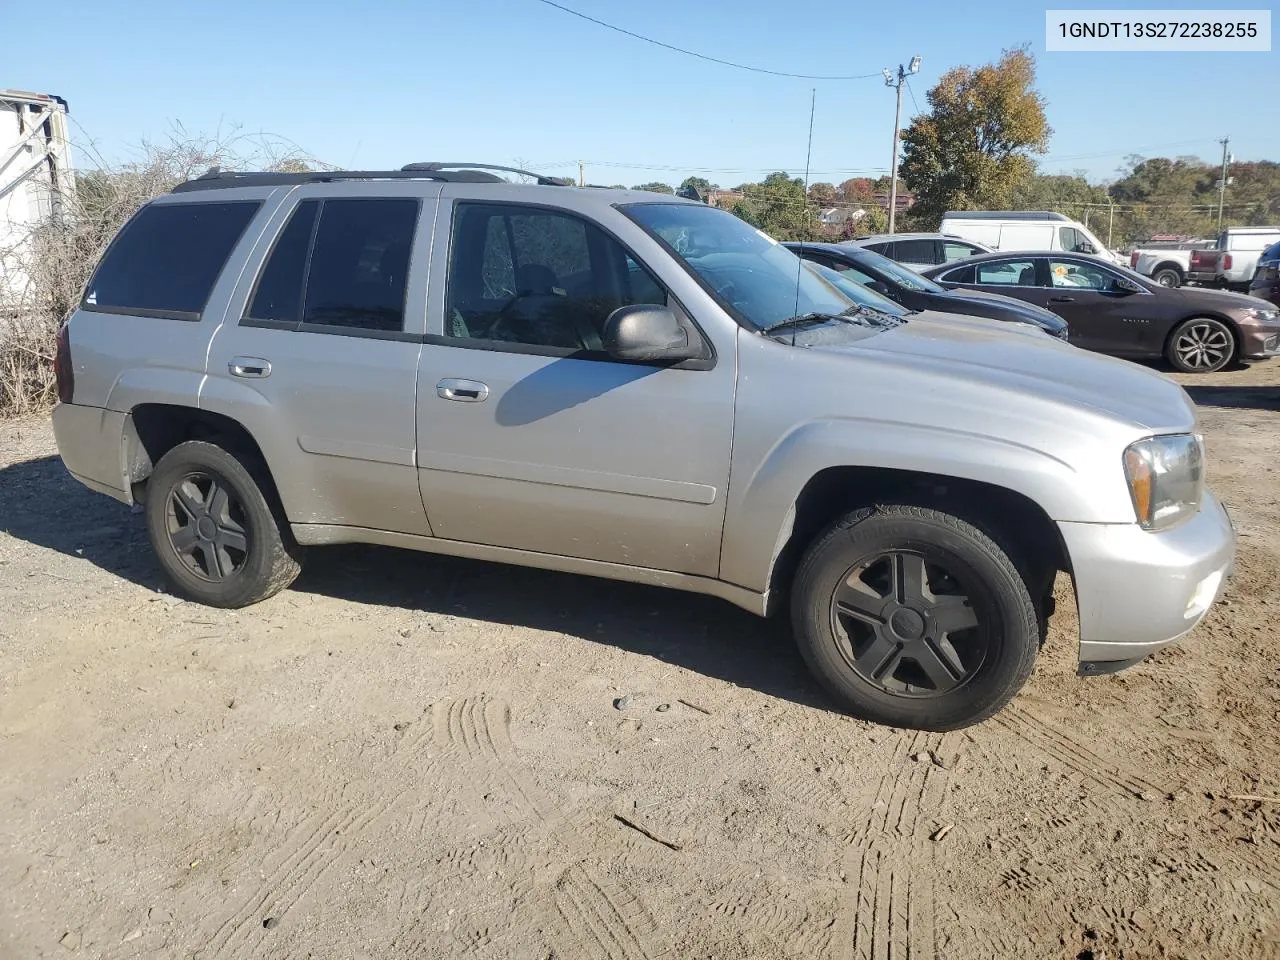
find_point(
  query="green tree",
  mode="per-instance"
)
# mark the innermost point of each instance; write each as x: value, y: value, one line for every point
x: 701, y: 184
x: 973, y: 148
x: 655, y: 187
x: 780, y: 206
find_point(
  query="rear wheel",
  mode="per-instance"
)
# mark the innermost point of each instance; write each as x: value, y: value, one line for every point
x: 912, y: 617
x: 213, y: 530
x: 1167, y: 277
x: 1201, y: 345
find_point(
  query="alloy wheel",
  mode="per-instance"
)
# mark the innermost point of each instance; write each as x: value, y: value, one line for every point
x: 205, y: 522
x: 1203, y: 346
x: 907, y: 626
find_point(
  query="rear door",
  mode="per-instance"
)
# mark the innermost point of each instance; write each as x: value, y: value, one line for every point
x: 318, y: 354
x: 918, y: 254
x: 530, y: 436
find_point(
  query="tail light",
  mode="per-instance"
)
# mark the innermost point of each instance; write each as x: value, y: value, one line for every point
x: 62, y: 368
x: 1133, y: 260
x: 1226, y: 261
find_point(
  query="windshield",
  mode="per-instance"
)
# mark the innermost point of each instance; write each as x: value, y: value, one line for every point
x: 899, y: 274
x: 753, y: 275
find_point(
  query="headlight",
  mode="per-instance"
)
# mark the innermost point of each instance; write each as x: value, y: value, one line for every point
x: 1262, y: 314
x: 1166, y: 478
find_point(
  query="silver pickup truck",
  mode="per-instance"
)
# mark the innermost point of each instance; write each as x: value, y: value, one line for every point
x: 627, y: 385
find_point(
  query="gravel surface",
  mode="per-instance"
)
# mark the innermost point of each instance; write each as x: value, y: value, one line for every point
x: 409, y: 756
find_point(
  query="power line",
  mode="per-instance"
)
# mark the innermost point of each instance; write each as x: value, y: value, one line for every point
x: 703, y: 56
x: 1126, y: 151
x: 914, y: 102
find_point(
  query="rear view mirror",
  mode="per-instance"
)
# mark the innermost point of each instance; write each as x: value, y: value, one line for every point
x: 646, y: 332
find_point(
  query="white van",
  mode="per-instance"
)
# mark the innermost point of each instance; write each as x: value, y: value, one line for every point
x: 1025, y: 230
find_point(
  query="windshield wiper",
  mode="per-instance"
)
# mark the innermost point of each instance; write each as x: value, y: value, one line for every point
x: 802, y: 320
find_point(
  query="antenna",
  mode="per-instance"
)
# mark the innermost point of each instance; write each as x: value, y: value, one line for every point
x: 808, y: 155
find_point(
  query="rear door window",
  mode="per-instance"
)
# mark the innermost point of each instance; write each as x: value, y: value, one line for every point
x: 1010, y: 273
x: 360, y: 264
x: 167, y: 258
x: 278, y: 296
x: 916, y: 251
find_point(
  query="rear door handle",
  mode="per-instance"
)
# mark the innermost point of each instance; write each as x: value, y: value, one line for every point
x: 249, y: 367
x: 464, y: 391
x: 1062, y: 299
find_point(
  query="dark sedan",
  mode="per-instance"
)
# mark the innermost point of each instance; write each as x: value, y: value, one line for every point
x: 891, y: 279
x: 1114, y: 310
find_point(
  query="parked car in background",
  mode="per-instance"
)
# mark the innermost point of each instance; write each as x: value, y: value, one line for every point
x: 919, y: 251
x: 1006, y: 230
x: 1166, y: 263
x: 1266, y: 277
x: 1232, y: 261
x: 1116, y: 311
x: 916, y: 292
x: 629, y: 385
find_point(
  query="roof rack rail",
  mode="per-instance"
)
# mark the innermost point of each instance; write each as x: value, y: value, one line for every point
x: 438, y: 166
x: 215, y: 178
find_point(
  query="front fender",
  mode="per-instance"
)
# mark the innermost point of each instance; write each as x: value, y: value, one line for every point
x: 760, y: 510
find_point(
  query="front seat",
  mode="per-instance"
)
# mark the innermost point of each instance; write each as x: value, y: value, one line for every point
x: 545, y: 309
x: 1027, y: 278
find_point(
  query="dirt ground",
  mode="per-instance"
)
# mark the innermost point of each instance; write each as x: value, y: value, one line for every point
x: 412, y: 756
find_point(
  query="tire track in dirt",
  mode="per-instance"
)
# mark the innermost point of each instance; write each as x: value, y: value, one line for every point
x: 889, y: 866
x: 310, y: 849
x: 1064, y: 748
x: 478, y: 730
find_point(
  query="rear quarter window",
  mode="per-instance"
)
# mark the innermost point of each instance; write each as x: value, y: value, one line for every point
x: 166, y: 260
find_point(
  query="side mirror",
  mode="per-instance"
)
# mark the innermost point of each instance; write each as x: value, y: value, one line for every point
x: 1087, y: 247
x: 1125, y: 285
x: 879, y: 287
x: 646, y: 332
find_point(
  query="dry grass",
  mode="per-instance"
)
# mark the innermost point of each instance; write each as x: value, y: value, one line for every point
x: 59, y: 255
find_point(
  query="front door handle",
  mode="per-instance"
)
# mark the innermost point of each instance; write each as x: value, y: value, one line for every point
x: 249, y: 367
x: 1062, y: 299
x: 464, y: 391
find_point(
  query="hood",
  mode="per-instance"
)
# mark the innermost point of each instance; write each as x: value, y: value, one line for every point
x: 1222, y: 299
x: 1025, y: 360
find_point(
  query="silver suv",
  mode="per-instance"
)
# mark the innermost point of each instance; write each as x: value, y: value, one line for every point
x: 628, y: 385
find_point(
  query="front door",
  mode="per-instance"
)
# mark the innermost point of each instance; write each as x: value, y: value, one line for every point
x: 1101, y: 316
x: 530, y: 437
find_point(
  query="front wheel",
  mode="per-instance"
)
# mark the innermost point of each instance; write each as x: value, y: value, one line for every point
x: 213, y: 530
x: 1201, y: 345
x: 912, y: 617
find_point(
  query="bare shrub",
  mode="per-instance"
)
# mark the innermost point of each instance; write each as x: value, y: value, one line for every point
x: 56, y: 257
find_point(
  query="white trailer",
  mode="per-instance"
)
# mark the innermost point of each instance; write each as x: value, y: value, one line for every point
x: 37, y: 181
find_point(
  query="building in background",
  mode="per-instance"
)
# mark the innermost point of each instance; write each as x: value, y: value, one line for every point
x: 37, y: 180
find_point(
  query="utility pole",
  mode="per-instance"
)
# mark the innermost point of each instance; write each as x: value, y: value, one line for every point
x: 1111, y: 218
x: 891, y: 81
x: 582, y: 176
x: 1222, y: 184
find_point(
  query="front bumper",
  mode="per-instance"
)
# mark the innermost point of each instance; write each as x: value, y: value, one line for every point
x: 1139, y: 591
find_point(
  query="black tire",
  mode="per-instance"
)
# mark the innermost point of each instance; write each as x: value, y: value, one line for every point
x: 222, y: 551
x: 1168, y: 277
x: 1201, y: 345
x: 965, y: 575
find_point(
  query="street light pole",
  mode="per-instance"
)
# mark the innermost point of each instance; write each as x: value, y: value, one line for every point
x: 897, y: 81
x: 1222, y: 184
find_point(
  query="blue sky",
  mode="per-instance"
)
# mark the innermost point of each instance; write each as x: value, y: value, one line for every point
x: 380, y: 84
